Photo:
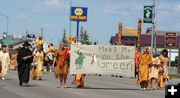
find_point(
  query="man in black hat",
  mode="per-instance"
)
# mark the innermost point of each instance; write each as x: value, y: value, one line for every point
x: 24, y: 60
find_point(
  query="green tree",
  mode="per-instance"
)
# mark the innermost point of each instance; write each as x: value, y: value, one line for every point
x: 84, y: 37
x: 81, y: 34
x: 64, y: 36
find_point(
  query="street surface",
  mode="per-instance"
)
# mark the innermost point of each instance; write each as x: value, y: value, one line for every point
x: 95, y: 87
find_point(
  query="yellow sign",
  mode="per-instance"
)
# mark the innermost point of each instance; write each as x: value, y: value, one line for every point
x: 69, y: 39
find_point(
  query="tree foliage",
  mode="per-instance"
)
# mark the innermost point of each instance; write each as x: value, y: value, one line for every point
x: 84, y: 37
x: 64, y: 36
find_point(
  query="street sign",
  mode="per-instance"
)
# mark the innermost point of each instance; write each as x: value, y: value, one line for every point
x: 170, y: 39
x: 69, y: 39
x: 148, y: 14
x: 30, y: 35
x: 4, y: 35
x: 79, y: 14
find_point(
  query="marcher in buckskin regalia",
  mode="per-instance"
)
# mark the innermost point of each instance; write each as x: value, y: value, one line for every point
x: 39, y: 41
x: 154, y: 71
x: 62, y: 59
x: 145, y: 61
x: 38, y: 60
x: 5, y: 60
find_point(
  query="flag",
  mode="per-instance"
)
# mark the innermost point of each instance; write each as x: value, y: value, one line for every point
x: 148, y: 30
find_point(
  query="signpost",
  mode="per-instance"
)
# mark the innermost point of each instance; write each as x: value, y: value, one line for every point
x: 149, y: 17
x: 69, y: 39
x: 170, y: 39
x: 170, y: 42
x: 78, y: 14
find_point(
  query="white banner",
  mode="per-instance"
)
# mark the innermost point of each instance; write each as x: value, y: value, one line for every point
x: 102, y: 59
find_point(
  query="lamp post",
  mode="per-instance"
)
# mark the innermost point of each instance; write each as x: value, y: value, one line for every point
x: 153, y: 24
x: 70, y: 17
x: 7, y: 20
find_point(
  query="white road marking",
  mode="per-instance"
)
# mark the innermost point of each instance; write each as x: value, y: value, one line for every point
x: 78, y: 93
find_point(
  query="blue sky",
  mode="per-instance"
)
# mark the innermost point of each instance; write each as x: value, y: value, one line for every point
x: 103, y: 17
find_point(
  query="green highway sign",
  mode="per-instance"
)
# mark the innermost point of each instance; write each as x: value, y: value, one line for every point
x: 148, y: 14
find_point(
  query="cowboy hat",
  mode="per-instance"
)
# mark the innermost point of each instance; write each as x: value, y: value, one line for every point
x: 26, y: 43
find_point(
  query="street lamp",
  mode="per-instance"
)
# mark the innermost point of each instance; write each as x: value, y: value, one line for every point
x: 70, y: 17
x: 6, y: 18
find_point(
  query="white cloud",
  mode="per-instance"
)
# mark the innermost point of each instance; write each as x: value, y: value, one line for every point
x: 178, y: 7
x: 49, y: 26
x: 21, y: 16
x: 51, y: 6
x: 122, y: 8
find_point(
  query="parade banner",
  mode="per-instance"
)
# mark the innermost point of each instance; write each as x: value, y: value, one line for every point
x: 102, y: 59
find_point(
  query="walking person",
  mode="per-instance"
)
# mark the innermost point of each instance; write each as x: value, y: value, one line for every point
x: 165, y: 61
x: 38, y: 57
x: 62, y: 59
x: 5, y: 61
x: 13, y: 60
x: 137, y: 53
x: 145, y: 60
x: 24, y: 59
x: 154, y: 71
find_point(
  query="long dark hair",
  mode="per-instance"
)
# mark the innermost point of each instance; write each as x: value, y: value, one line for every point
x: 165, y: 50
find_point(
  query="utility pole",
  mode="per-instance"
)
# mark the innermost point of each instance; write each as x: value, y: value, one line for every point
x: 42, y: 32
x: 153, y: 22
x: 70, y: 17
x: 26, y: 34
x: 155, y: 38
x: 7, y: 21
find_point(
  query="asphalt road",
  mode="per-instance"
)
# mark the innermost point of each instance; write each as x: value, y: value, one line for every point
x: 95, y: 87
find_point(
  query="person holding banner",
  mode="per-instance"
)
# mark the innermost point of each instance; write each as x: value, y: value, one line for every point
x: 78, y: 78
x: 62, y: 58
x: 145, y: 60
